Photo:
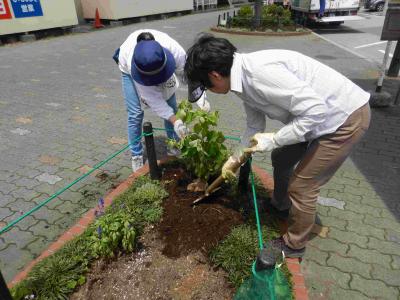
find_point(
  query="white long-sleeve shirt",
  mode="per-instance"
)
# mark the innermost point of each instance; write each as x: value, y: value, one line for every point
x: 155, y: 96
x: 310, y: 98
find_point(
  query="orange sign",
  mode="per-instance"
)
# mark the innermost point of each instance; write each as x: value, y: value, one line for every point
x: 4, y: 10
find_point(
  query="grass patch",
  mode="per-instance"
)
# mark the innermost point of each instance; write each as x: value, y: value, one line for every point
x: 237, y: 252
x: 114, y: 231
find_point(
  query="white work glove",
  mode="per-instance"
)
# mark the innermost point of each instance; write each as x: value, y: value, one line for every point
x: 227, y: 172
x: 203, y: 104
x: 263, y: 142
x: 180, y: 129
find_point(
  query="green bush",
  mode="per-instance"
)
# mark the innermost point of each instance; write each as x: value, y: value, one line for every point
x: 203, y: 150
x: 272, y: 16
x: 276, y: 15
x: 244, y: 17
x: 114, y: 232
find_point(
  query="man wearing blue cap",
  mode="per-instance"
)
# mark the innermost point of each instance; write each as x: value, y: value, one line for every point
x: 149, y: 61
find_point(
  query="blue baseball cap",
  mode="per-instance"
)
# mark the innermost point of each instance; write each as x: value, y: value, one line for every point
x: 151, y: 63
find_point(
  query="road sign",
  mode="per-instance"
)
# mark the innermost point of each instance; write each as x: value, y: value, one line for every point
x: 5, y: 12
x: 26, y: 8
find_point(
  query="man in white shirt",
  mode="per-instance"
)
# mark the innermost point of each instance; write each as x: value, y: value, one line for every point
x: 149, y: 61
x: 325, y: 115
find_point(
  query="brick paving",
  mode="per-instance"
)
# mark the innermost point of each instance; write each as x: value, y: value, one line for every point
x: 61, y: 112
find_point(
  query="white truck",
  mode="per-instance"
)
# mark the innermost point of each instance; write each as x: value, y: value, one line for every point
x: 325, y: 11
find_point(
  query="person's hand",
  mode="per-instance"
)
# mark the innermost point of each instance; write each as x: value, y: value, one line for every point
x: 203, y: 104
x: 227, y: 172
x: 180, y: 129
x: 262, y: 142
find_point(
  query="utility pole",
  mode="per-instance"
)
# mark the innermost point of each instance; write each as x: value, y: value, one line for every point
x: 257, y: 13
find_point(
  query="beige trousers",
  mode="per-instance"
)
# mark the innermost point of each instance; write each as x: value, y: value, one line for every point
x: 298, y: 187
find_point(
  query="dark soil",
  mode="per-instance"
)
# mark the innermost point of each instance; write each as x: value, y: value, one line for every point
x: 172, y: 259
x: 185, y: 228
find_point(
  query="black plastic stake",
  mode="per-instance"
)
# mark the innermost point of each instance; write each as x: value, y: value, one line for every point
x: 4, y: 292
x: 244, y: 173
x: 219, y: 20
x: 151, y: 151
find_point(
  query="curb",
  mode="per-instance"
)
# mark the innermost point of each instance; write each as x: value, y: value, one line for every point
x: 299, y: 288
x: 259, y: 33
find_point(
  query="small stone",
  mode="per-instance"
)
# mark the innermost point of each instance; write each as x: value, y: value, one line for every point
x: 331, y: 202
x: 48, y: 178
x: 20, y: 131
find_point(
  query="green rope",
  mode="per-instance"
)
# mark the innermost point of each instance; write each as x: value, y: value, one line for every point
x: 253, y: 189
x: 8, y: 226
x: 62, y: 190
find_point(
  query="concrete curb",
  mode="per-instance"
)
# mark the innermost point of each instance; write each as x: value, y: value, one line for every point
x: 299, y: 287
x: 258, y: 33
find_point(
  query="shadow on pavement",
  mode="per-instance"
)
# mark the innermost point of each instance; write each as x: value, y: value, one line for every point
x: 377, y: 156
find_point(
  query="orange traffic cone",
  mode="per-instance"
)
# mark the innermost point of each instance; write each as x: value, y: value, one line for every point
x: 97, y: 22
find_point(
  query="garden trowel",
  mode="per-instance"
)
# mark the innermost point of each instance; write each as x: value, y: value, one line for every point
x: 215, y: 185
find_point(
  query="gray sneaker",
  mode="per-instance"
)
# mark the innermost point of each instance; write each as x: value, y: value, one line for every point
x: 137, y: 162
x: 279, y: 244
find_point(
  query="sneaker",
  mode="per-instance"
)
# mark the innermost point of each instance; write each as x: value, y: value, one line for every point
x: 173, y: 152
x: 279, y: 244
x: 137, y: 162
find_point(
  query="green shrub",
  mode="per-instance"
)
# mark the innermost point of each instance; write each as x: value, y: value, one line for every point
x: 244, y: 17
x: 203, y: 150
x: 272, y: 16
x: 276, y: 15
x: 114, y: 232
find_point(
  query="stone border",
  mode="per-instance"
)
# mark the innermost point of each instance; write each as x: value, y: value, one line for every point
x: 299, y: 287
x: 259, y: 33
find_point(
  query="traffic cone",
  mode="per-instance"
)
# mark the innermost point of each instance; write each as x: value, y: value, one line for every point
x: 97, y: 22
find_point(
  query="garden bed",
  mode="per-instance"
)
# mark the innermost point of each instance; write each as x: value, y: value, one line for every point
x: 172, y: 261
x: 190, y: 252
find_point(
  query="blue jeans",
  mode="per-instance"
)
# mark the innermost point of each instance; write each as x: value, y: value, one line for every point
x: 135, y: 116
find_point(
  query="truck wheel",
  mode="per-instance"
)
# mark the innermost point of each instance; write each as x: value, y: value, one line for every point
x: 380, y: 6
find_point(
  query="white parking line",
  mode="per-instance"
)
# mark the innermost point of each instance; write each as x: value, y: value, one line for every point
x: 369, y: 45
x: 383, y: 51
x: 345, y: 48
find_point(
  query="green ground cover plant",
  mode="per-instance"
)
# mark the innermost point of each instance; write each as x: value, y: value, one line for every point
x: 114, y: 231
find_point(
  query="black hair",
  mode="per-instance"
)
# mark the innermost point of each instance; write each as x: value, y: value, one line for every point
x: 145, y: 36
x: 209, y: 53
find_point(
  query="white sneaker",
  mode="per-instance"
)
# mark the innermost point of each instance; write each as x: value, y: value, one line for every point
x: 137, y: 162
x: 173, y: 152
